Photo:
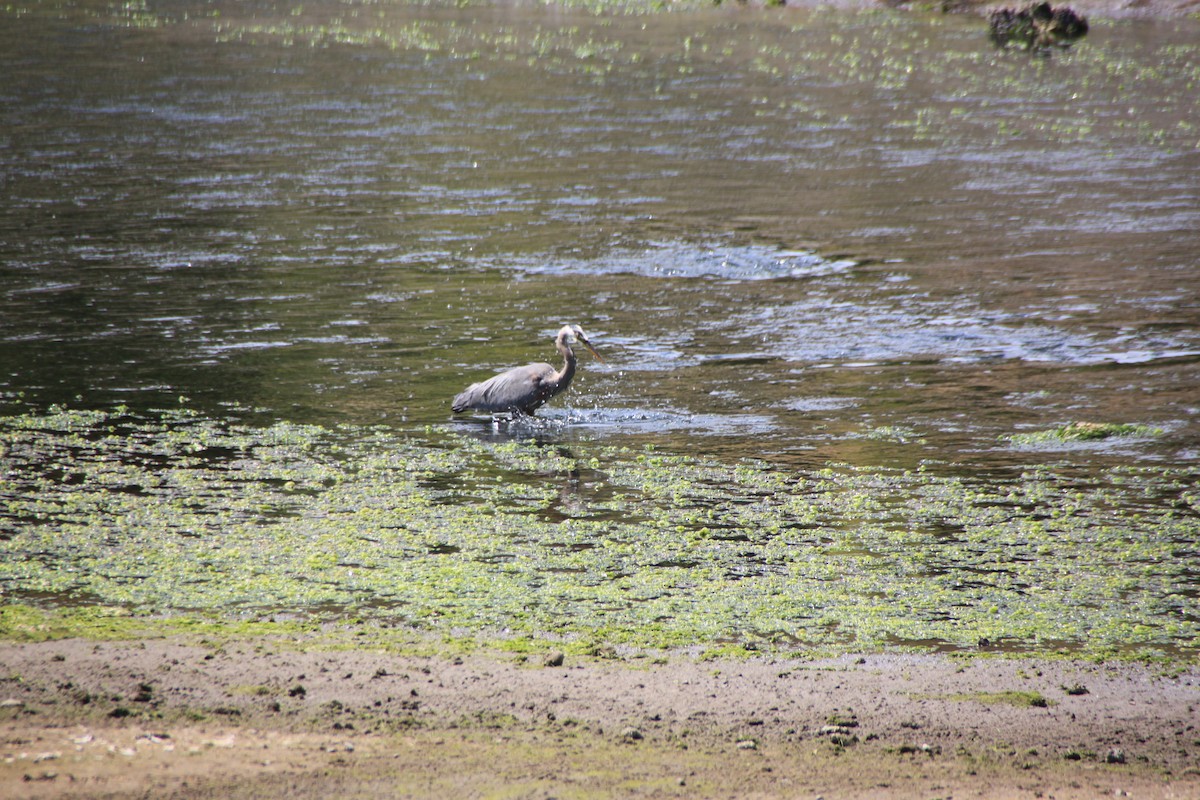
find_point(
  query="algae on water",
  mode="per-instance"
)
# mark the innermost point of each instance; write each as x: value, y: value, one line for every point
x: 172, y: 514
x: 1086, y: 432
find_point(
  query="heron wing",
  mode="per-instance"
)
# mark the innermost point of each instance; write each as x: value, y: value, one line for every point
x: 521, y: 389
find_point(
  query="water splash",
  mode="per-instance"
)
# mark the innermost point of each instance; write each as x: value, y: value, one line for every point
x: 557, y: 422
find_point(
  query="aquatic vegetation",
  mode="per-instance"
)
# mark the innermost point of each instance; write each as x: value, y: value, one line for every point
x: 168, y: 515
x: 171, y: 515
x: 1086, y: 432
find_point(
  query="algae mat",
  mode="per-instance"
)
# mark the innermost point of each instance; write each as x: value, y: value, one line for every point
x: 172, y: 515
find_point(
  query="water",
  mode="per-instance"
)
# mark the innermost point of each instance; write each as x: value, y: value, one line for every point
x: 785, y: 230
x: 798, y: 238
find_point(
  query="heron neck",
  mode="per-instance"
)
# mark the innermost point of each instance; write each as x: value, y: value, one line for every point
x: 568, y: 368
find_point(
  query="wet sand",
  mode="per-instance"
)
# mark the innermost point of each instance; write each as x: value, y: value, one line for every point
x: 263, y: 718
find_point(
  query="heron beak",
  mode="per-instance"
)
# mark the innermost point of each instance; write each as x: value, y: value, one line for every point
x: 592, y: 350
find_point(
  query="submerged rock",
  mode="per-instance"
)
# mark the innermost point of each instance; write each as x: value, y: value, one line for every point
x: 1037, y: 26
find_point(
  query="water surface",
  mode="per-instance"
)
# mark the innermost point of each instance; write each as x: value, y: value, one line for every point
x: 799, y: 236
x: 825, y: 223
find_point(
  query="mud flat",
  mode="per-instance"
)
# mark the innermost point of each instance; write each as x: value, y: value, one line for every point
x: 251, y: 718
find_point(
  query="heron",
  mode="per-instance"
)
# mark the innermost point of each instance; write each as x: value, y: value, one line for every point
x: 522, y: 390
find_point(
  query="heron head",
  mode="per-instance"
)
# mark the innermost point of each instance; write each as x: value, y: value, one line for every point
x: 573, y: 333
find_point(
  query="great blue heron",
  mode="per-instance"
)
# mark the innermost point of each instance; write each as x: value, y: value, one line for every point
x: 523, y: 390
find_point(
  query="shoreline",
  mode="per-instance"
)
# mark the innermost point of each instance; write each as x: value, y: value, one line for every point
x: 248, y: 717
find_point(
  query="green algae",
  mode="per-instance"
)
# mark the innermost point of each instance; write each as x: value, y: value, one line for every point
x: 1086, y: 432
x: 110, y: 519
x: 1013, y: 697
x: 21, y: 622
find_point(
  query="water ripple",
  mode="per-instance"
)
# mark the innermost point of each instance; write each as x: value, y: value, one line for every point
x: 687, y: 260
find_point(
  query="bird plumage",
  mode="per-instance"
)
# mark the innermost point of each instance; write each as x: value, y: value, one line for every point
x: 525, y: 389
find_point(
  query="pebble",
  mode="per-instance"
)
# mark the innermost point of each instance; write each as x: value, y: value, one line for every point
x: 830, y: 730
x: 45, y: 776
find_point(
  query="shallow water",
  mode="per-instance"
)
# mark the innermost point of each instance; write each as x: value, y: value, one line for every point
x: 783, y: 229
x: 798, y: 236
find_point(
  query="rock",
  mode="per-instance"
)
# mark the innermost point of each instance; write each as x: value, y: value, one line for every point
x: 154, y: 738
x: 44, y: 776
x: 747, y: 744
x: 834, y: 730
x: 1036, y: 26
x: 631, y: 735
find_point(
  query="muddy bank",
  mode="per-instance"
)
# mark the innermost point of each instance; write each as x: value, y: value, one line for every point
x: 88, y: 719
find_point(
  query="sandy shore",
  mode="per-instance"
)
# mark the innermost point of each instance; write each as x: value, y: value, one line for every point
x: 262, y: 719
